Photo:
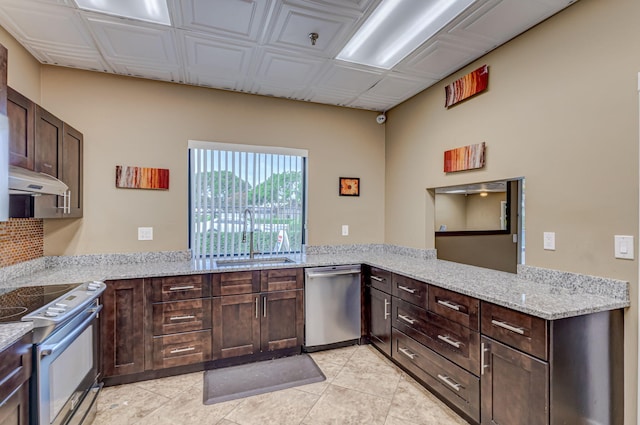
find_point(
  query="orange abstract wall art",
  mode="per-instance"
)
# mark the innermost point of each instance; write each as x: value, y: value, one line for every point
x: 467, y: 86
x: 141, y: 178
x: 464, y: 158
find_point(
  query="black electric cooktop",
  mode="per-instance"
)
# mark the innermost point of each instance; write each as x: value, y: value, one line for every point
x: 18, y: 302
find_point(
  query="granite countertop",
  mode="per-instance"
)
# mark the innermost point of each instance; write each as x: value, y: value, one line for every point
x: 544, y: 293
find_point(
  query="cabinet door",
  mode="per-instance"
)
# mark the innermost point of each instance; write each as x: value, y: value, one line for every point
x: 515, y: 387
x: 48, y: 156
x: 282, y: 320
x: 123, y: 327
x: 380, y: 320
x: 14, y: 410
x: 236, y: 325
x: 21, y: 112
x: 71, y: 172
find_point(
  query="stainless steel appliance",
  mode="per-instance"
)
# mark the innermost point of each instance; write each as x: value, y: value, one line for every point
x: 332, y: 300
x: 65, y: 384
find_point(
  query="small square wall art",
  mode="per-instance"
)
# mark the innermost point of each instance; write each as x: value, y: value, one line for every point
x: 141, y: 177
x: 467, y: 86
x: 464, y: 158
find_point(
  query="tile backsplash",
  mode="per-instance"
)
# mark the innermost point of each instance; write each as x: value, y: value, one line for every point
x: 21, y: 239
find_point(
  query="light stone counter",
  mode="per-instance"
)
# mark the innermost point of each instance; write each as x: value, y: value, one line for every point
x: 544, y: 293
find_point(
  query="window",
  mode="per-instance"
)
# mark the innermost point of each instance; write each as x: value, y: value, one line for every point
x: 238, y: 189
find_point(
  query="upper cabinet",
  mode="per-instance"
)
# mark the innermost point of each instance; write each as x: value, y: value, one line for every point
x: 22, y: 112
x: 41, y: 142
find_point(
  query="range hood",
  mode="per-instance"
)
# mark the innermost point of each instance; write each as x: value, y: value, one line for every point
x: 27, y: 182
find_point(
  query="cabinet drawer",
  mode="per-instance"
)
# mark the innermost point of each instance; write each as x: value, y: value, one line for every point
x: 410, y: 290
x: 457, y: 343
x: 281, y: 280
x: 236, y: 283
x: 181, y: 316
x: 181, y: 349
x: 519, y: 330
x: 457, y: 385
x: 379, y: 279
x: 457, y: 307
x: 180, y: 287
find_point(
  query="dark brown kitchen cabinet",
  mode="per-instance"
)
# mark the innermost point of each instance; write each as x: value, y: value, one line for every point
x: 515, y: 387
x: 15, y: 372
x: 123, y: 327
x: 250, y: 323
x: 21, y: 112
x: 71, y: 172
x: 49, y: 142
x: 3, y: 79
x: 380, y: 320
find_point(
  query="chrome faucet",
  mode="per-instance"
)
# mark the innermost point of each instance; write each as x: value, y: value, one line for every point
x: 248, y: 212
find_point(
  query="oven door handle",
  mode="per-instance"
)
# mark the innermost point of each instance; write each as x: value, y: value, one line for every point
x: 49, y: 350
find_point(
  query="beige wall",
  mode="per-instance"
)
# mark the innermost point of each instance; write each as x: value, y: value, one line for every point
x: 127, y: 121
x: 562, y: 111
x: 24, y: 70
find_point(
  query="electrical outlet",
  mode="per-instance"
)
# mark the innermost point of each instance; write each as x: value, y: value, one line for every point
x: 345, y: 230
x: 145, y: 233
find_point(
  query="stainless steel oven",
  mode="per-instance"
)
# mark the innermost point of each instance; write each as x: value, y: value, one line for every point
x: 66, y: 383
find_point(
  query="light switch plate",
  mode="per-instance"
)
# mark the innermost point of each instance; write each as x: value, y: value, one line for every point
x: 145, y: 233
x: 623, y: 247
x: 550, y: 241
x: 345, y: 230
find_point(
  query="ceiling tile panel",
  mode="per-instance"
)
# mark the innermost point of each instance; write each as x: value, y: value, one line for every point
x: 44, y: 24
x: 122, y: 40
x: 267, y: 89
x: 214, y: 17
x: 73, y: 59
x: 294, y: 24
x: 150, y: 72
x: 355, y: 5
x: 205, y: 55
x: 348, y: 80
x: 398, y: 87
x: 439, y: 59
x: 296, y: 71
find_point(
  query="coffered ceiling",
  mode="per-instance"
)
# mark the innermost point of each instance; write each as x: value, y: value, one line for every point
x: 262, y: 46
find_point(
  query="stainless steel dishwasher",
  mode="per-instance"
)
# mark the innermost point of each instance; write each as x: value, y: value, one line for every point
x: 332, y: 302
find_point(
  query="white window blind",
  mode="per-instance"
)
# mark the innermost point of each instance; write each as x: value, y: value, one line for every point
x: 238, y: 188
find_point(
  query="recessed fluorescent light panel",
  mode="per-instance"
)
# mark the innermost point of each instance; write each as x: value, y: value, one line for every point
x: 155, y: 11
x: 398, y: 27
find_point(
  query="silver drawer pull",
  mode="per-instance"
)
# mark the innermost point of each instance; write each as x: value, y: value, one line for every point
x: 182, y: 350
x: 449, y: 341
x: 407, y: 319
x: 387, y: 313
x: 377, y: 279
x: 407, y: 353
x: 508, y: 327
x: 449, y: 304
x: 450, y: 382
x: 182, y: 317
x: 405, y: 289
x: 181, y: 288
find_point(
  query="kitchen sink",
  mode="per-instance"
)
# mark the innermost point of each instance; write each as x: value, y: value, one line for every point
x: 237, y: 262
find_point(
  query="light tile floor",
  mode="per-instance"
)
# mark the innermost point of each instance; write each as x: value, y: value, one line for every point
x: 362, y: 387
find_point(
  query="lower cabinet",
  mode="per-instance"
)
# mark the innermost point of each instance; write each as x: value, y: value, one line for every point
x: 380, y: 320
x: 515, y: 386
x: 15, y: 371
x: 122, y: 327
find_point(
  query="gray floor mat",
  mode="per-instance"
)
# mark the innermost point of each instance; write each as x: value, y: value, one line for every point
x: 235, y: 382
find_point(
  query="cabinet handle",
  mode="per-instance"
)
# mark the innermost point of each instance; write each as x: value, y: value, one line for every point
x: 181, y: 288
x: 407, y: 319
x: 450, y: 382
x: 405, y: 289
x: 377, y: 279
x: 508, y: 327
x: 182, y: 317
x: 386, y: 311
x: 66, y: 203
x: 264, y: 306
x: 449, y: 341
x: 482, y: 365
x: 182, y: 350
x: 407, y: 353
x: 449, y: 304
x: 257, y: 307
